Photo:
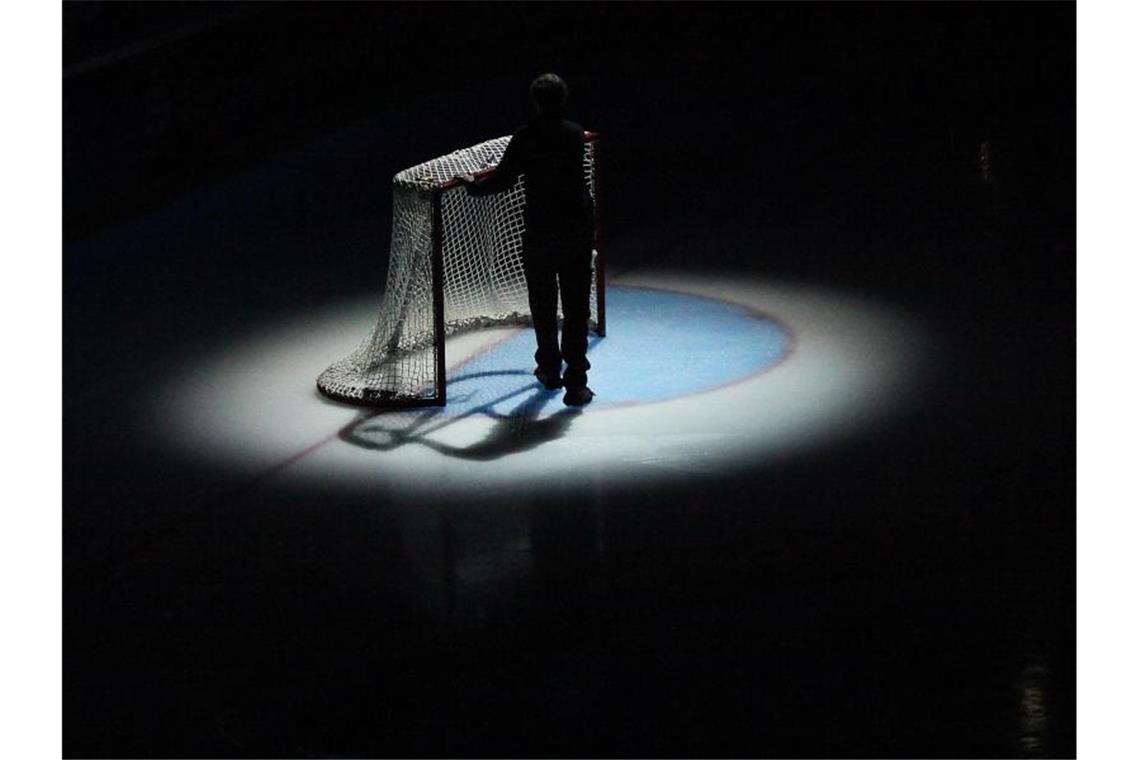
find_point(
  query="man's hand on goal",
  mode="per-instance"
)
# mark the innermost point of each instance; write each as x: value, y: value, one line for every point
x: 468, y: 181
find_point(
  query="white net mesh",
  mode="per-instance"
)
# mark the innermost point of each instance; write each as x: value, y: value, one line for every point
x: 483, y: 281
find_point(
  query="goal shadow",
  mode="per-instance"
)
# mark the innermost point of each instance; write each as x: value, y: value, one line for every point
x: 520, y: 427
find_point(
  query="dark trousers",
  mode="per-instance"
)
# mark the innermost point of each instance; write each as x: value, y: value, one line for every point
x: 551, y: 266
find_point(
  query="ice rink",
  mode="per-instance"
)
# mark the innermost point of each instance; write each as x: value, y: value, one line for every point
x: 822, y: 505
x: 696, y: 375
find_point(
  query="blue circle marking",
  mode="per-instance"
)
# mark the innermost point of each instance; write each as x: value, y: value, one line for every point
x: 660, y: 345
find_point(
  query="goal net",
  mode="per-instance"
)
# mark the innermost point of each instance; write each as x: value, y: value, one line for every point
x: 455, y: 263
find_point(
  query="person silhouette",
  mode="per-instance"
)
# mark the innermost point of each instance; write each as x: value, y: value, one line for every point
x: 558, y: 235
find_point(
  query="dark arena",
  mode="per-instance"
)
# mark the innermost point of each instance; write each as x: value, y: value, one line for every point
x: 821, y: 501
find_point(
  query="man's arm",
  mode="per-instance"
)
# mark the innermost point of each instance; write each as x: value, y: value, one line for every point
x: 501, y: 178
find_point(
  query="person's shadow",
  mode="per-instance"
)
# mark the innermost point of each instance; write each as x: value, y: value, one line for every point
x: 520, y: 429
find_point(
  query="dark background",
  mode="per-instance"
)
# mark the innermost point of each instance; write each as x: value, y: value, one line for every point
x: 888, y: 596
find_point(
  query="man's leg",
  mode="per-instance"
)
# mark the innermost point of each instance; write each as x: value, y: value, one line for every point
x: 574, y: 282
x: 542, y: 292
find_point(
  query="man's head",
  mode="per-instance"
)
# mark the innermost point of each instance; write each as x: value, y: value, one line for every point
x: 548, y: 92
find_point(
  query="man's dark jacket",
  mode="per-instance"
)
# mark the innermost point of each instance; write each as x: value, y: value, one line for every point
x: 549, y: 150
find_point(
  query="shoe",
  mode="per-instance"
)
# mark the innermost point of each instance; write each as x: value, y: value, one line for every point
x: 578, y: 396
x: 551, y: 382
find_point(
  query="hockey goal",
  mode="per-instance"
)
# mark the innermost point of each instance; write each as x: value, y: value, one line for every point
x: 455, y: 263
